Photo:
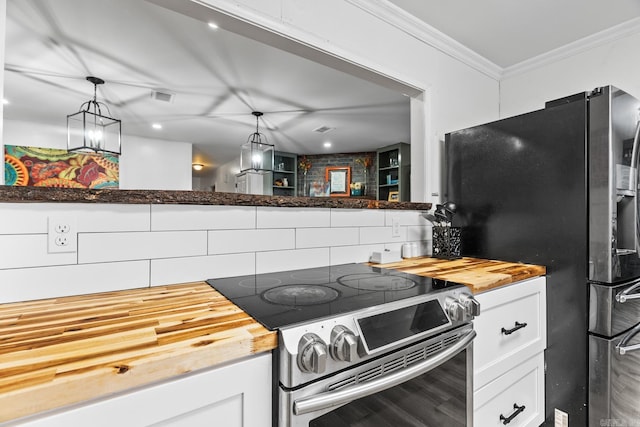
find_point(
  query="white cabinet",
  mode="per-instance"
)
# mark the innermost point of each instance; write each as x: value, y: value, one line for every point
x: 508, y: 355
x: 234, y: 395
x: 250, y: 182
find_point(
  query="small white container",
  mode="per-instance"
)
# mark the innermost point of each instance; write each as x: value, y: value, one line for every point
x: 409, y: 250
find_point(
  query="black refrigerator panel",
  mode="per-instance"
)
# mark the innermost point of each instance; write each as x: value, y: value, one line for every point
x: 520, y: 189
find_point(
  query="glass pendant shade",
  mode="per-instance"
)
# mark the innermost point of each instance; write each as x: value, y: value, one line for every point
x: 90, y: 131
x: 256, y: 154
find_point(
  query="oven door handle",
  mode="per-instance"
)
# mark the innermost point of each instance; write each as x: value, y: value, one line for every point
x: 622, y: 345
x: 627, y: 294
x: 329, y: 399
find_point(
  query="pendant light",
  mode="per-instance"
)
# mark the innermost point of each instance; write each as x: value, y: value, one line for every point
x: 91, y: 131
x: 256, y: 154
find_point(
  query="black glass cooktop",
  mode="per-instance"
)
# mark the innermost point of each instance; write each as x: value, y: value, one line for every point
x: 284, y: 298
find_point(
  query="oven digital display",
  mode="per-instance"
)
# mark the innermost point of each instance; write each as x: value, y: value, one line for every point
x: 386, y: 328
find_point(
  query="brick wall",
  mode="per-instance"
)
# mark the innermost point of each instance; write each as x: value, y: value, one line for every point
x: 320, y: 161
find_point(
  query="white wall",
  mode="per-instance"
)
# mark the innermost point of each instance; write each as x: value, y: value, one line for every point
x: 616, y: 63
x: 457, y: 95
x: 225, y: 176
x: 133, y: 246
x: 144, y: 164
x: 155, y: 164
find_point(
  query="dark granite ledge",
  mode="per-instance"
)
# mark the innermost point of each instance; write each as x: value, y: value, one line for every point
x: 10, y: 194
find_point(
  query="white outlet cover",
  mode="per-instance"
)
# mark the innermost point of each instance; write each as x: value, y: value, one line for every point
x: 62, y: 234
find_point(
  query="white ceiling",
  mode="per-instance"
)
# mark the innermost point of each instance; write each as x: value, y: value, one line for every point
x: 507, y: 32
x: 219, y: 77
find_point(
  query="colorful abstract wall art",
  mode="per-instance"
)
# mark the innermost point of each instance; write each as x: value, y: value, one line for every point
x: 49, y: 167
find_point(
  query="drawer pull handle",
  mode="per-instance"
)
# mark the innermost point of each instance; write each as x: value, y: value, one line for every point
x: 515, y: 328
x: 507, y: 420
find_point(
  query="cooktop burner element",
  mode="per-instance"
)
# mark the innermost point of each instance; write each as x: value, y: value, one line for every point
x: 297, y: 295
x: 285, y: 298
x: 376, y: 282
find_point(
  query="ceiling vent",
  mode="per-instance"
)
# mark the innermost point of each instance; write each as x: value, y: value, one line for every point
x: 162, y: 95
x: 323, y: 129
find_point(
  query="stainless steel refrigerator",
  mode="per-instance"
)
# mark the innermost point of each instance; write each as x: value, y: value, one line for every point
x: 558, y: 187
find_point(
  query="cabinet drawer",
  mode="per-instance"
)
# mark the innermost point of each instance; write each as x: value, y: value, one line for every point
x: 511, y: 328
x: 522, y: 387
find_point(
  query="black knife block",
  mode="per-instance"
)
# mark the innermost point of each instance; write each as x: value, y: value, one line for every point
x: 446, y: 242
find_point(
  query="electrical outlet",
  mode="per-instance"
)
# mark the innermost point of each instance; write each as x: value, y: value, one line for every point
x: 62, y: 234
x: 395, y: 227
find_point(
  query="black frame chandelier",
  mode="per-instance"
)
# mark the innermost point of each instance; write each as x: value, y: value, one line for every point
x: 91, y: 131
x: 256, y: 154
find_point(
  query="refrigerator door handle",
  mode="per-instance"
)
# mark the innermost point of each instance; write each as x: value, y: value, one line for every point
x: 628, y: 294
x: 622, y: 345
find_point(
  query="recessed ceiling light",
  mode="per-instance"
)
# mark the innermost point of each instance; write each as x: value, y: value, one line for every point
x: 213, y: 25
x: 5, y: 101
x: 327, y: 144
x: 156, y: 126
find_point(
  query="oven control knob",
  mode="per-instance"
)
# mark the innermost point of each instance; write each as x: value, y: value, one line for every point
x: 471, y: 305
x: 344, y: 344
x: 312, y: 354
x: 455, y: 310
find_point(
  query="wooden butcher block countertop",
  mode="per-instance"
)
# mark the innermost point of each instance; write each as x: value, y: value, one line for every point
x: 60, y: 351
x: 478, y: 274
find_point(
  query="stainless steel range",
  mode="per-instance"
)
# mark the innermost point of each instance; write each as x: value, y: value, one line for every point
x: 364, y: 346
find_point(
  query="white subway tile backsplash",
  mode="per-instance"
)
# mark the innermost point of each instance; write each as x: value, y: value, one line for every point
x: 268, y: 217
x: 357, y: 218
x: 128, y: 246
x: 23, y: 284
x: 30, y: 250
x: 323, y: 237
x: 350, y: 254
x: 180, y: 270
x: 416, y: 233
x: 195, y: 217
x: 394, y: 247
x: 369, y: 235
x: 105, y: 247
x: 268, y: 262
x: 235, y: 241
x: 405, y: 217
x: 29, y: 218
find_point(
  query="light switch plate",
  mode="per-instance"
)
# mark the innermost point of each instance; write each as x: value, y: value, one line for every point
x: 395, y: 227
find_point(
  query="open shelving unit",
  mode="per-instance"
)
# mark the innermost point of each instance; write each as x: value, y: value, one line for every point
x: 394, y: 171
x: 284, y: 172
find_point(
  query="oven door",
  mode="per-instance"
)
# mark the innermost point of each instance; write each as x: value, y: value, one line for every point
x: 425, y: 384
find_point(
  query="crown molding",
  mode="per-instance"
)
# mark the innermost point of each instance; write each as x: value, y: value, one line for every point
x: 409, y: 24
x: 399, y: 18
x: 587, y: 43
